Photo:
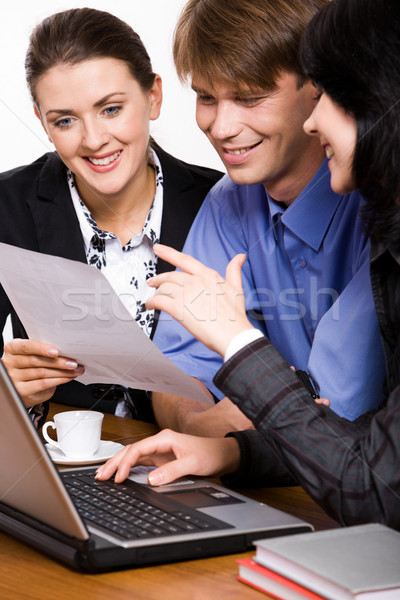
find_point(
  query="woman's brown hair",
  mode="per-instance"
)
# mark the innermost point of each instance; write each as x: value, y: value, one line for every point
x: 80, y: 34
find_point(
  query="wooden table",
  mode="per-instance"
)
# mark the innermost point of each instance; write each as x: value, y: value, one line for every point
x: 25, y: 574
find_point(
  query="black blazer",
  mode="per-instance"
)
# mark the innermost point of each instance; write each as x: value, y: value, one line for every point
x: 36, y: 213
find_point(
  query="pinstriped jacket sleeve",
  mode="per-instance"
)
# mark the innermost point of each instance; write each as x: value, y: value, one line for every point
x: 350, y: 468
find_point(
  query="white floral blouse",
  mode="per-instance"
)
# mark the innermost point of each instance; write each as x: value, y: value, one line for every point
x: 128, y: 267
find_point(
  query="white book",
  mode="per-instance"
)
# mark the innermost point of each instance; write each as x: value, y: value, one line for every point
x: 360, y: 562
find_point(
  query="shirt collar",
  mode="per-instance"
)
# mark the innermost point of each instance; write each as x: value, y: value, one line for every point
x: 276, y: 211
x: 310, y: 214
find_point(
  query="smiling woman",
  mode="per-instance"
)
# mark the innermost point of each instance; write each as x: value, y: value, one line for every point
x: 337, y: 131
x: 106, y: 195
x: 97, y: 116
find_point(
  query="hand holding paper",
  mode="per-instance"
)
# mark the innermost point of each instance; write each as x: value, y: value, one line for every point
x: 73, y: 307
x: 36, y: 369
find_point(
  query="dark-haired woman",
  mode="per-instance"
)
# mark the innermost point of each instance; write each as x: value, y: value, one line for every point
x: 351, y: 50
x: 105, y: 196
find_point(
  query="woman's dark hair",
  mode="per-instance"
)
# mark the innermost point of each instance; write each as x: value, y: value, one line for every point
x: 79, y: 34
x: 351, y: 49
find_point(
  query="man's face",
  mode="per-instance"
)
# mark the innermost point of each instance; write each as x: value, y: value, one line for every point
x: 259, y: 135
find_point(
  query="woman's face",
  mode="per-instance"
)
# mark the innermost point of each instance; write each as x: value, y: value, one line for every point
x: 97, y: 116
x: 337, y: 131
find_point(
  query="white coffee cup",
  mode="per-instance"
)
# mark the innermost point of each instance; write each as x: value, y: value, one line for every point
x: 78, y: 432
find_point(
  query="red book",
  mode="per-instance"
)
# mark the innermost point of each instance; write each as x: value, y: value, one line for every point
x: 272, y: 583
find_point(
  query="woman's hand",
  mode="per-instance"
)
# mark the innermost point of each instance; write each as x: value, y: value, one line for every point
x: 176, y: 455
x: 36, y: 369
x: 210, y: 307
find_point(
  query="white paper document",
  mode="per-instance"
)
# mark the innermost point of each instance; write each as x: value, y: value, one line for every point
x: 72, y: 306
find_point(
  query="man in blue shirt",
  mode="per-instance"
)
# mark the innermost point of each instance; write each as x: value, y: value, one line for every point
x: 306, y: 277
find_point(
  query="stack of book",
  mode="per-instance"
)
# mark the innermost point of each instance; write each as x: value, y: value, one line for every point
x: 353, y: 563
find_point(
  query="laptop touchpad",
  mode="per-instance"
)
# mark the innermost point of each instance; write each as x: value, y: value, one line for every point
x: 203, y: 497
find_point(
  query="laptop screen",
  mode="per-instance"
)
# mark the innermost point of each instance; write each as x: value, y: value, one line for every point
x: 29, y: 481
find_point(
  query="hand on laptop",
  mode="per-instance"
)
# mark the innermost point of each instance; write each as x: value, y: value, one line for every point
x: 210, y: 307
x: 176, y: 455
x: 36, y: 369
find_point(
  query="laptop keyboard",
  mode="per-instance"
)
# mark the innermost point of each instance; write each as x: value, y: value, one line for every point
x: 132, y: 511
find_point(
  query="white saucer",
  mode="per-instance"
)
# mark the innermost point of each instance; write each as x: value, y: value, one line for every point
x: 106, y: 450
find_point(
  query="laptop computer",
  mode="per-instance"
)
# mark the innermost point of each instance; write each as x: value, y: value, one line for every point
x: 50, y: 510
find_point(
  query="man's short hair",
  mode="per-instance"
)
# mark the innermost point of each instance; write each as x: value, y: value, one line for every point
x: 249, y: 42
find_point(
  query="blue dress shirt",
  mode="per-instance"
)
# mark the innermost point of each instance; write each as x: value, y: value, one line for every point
x: 306, y: 284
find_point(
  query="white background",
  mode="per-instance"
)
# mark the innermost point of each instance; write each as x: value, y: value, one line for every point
x: 23, y: 140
